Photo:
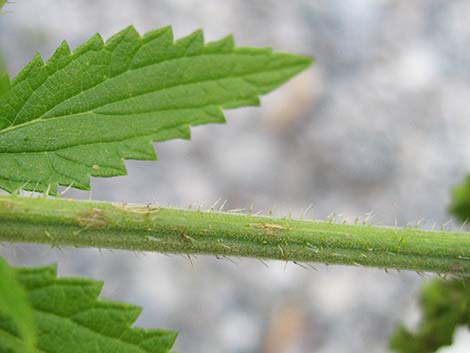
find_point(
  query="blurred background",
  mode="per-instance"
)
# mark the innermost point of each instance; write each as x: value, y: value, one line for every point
x: 378, y: 129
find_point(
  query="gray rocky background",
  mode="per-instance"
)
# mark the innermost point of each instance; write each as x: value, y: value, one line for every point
x: 380, y: 124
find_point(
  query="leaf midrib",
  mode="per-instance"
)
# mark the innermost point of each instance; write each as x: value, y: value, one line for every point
x: 6, y: 335
x: 113, y: 77
x: 40, y: 119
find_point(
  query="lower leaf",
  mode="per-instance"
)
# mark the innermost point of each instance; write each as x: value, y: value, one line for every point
x: 16, y: 314
x: 71, y: 318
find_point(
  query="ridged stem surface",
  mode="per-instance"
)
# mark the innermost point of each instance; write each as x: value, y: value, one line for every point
x: 61, y: 222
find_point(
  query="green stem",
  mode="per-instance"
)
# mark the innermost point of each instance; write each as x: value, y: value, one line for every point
x: 150, y: 228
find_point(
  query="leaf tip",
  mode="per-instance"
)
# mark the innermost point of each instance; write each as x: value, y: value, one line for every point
x: 306, y: 60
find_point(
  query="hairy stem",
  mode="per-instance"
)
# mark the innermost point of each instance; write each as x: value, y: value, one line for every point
x: 150, y: 228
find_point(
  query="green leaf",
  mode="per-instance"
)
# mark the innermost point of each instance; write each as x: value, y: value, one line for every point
x: 70, y: 318
x: 460, y: 206
x: 446, y: 305
x: 82, y: 113
x: 4, y: 82
x: 4, y: 78
x: 15, y: 310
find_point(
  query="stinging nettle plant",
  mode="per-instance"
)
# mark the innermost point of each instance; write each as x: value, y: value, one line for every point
x: 83, y: 112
